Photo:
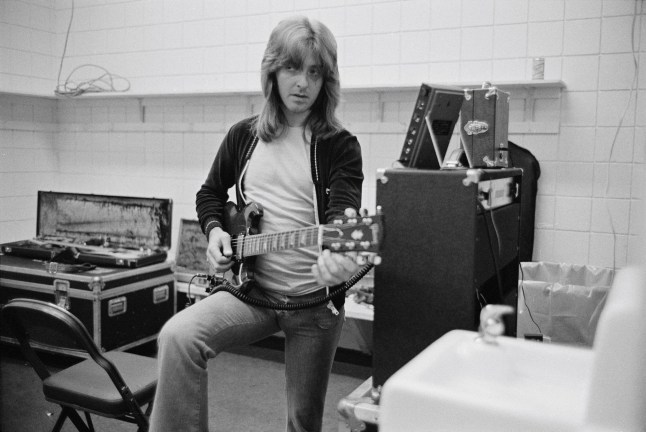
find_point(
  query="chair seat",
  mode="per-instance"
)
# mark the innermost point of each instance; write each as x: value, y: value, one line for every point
x: 87, y: 386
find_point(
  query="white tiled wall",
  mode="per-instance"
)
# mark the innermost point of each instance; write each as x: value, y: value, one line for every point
x: 28, y: 161
x: 28, y: 63
x: 588, y: 137
x: 176, y: 46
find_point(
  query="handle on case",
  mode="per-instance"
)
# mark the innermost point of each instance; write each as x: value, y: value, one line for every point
x: 160, y: 294
x: 117, y: 306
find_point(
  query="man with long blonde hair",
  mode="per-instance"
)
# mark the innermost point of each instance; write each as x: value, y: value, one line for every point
x: 296, y: 161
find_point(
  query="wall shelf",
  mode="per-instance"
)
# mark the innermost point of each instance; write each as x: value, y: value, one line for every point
x: 522, y: 84
x: 531, y: 109
x: 531, y: 103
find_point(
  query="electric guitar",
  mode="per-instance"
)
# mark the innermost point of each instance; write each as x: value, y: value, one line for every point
x: 361, y: 234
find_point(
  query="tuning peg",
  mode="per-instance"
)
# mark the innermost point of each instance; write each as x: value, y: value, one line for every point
x: 350, y: 212
x: 350, y: 245
x: 364, y: 258
x: 335, y: 246
x: 367, y: 220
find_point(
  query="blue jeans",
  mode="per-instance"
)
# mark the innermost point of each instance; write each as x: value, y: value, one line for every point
x: 221, y: 321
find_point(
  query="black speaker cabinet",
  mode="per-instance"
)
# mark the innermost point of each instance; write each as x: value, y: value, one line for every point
x: 450, y: 246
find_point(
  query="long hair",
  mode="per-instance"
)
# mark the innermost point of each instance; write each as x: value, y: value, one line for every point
x: 290, y: 43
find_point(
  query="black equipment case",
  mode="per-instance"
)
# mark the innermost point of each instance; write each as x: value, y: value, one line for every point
x: 484, y: 127
x: 121, y: 308
x: 122, y: 303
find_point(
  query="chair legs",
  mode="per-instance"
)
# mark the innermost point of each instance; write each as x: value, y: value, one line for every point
x: 143, y: 421
x: 88, y: 426
x: 149, y: 409
x: 89, y: 421
x: 60, y: 420
x: 75, y: 418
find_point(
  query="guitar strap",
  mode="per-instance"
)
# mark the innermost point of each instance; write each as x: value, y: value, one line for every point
x: 239, y: 189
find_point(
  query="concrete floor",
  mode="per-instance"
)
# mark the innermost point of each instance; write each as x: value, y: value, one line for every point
x: 249, y: 401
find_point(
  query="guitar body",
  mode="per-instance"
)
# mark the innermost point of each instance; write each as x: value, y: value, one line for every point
x: 240, y: 224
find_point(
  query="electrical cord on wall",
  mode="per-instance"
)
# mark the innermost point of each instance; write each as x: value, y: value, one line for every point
x: 522, y: 288
x: 638, y: 10
x: 494, y: 255
x: 105, y: 82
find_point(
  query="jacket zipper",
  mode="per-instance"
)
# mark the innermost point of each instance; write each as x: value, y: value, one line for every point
x: 316, y: 162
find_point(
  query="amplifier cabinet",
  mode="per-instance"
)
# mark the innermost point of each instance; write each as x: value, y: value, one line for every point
x: 443, y: 243
x: 121, y: 308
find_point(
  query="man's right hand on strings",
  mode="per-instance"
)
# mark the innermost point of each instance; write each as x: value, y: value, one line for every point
x: 219, y: 251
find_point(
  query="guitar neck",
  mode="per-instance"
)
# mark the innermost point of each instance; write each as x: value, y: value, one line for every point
x: 260, y: 244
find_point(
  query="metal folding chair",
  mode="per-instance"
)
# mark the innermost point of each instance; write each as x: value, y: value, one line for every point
x: 113, y: 384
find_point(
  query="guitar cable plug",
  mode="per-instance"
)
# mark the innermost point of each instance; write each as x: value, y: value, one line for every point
x: 212, y: 279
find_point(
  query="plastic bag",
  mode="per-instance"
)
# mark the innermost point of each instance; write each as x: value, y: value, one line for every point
x: 562, y: 301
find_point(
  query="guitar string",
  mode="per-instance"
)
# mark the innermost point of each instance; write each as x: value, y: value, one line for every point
x: 268, y: 237
x: 304, y: 232
x: 252, y: 243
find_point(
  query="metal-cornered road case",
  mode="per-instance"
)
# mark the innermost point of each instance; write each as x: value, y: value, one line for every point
x: 102, y: 257
x: 121, y: 308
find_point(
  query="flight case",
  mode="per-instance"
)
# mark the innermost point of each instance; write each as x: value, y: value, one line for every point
x: 122, y: 304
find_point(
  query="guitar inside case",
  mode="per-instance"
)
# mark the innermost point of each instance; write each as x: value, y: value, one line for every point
x: 103, y: 230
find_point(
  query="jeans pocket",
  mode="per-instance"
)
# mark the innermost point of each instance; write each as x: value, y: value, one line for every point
x: 326, y: 319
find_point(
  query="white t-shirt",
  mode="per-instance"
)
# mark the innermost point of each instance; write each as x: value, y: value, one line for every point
x: 279, y: 179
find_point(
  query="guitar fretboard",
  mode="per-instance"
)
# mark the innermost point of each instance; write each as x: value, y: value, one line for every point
x: 265, y: 243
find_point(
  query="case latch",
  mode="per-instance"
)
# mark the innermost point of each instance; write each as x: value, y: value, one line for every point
x: 117, y: 306
x: 61, y: 293
x: 160, y: 294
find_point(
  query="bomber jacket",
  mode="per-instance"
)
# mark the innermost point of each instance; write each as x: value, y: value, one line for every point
x: 336, y: 167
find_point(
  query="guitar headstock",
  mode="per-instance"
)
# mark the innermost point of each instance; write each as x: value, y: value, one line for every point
x: 354, y: 234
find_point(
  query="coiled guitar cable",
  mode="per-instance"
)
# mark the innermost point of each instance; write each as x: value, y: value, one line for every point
x: 217, y: 284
